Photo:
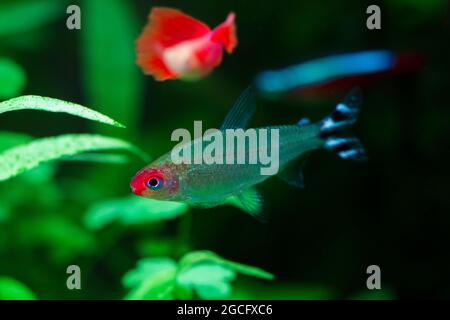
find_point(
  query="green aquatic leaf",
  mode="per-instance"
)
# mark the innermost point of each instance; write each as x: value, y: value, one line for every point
x: 9, y: 139
x: 20, y: 16
x: 35, y: 176
x: 158, y: 287
x: 209, y: 280
x: 12, y: 78
x: 201, y: 272
x: 132, y: 210
x: 11, y: 289
x: 145, y: 268
x: 113, y: 81
x: 210, y: 275
x: 13, y: 194
x: 22, y: 158
x: 196, y: 257
x: 153, y: 278
x: 55, y: 105
x: 247, y: 270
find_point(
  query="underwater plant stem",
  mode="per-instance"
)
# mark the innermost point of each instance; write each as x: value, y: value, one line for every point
x: 184, y: 232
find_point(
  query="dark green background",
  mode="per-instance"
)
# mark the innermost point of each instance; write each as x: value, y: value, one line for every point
x: 392, y: 211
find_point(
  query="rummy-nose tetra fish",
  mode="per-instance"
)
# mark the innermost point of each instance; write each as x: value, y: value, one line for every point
x: 211, y: 183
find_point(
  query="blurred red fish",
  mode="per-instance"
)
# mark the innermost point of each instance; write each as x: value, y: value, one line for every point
x: 174, y: 45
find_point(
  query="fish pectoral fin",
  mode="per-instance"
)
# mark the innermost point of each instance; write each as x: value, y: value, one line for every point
x: 292, y: 174
x: 241, y: 112
x: 250, y: 201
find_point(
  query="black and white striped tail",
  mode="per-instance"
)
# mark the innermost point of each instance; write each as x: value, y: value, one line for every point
x: 334, y: 126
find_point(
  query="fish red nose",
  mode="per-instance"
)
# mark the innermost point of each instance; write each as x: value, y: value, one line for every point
x: 133, y: 188
x: 139, y: 182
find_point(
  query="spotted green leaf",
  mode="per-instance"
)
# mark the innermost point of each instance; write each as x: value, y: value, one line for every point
x: 9, y: 139
x: 55, y: 105
x: 19, y: 159
x: 208, y: 280
x: 35, y: 176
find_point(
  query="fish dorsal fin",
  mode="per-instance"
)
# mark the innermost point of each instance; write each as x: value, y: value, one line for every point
x: 241, y: 112
x: 292, y: 174
x: 250, y: 201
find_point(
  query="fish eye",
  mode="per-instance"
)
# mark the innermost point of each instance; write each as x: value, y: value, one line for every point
x: 154, y: 183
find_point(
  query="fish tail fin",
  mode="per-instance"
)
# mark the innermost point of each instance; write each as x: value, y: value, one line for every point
x: 225, y: 33
x: 333, y: 127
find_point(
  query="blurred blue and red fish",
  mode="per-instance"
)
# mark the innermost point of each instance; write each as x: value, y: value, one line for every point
x: 174, y: 45
x: 335, y: 74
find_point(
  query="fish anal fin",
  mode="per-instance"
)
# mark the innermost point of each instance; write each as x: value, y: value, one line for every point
x: 250, y: 201
x: 292, y: 174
